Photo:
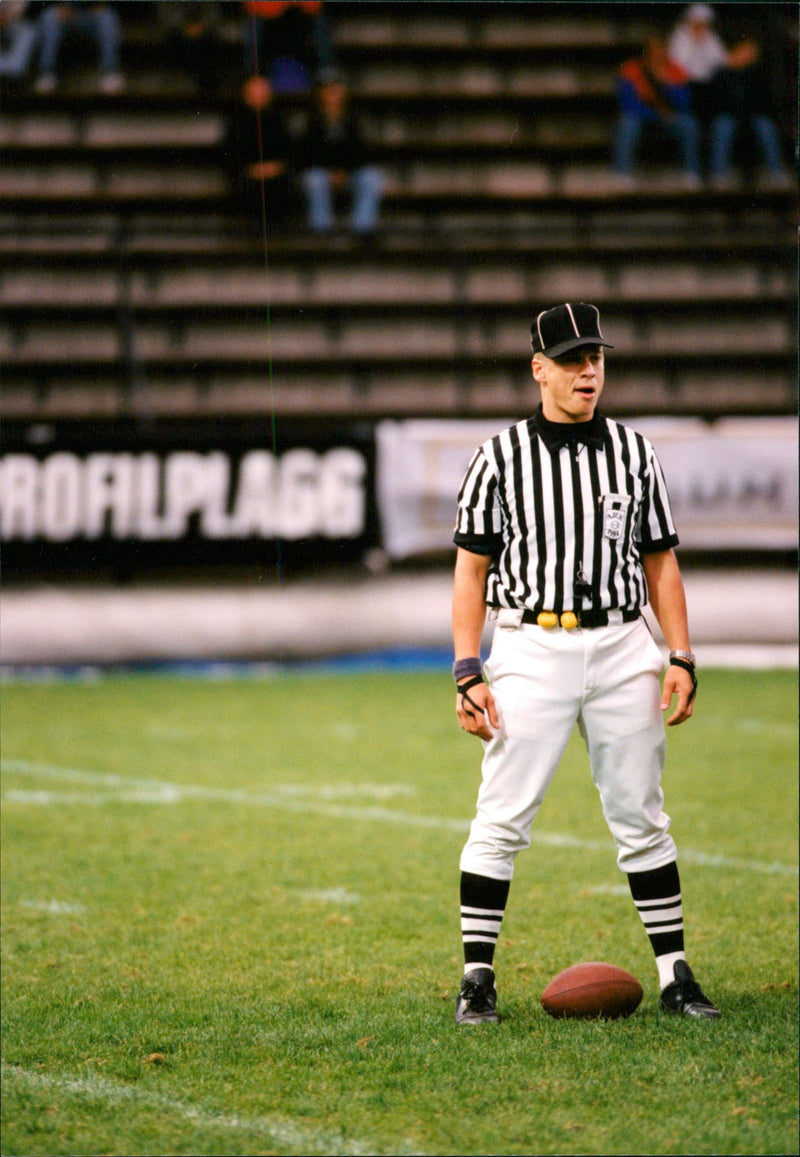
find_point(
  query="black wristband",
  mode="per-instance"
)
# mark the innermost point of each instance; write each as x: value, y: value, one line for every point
x: 687, y: 667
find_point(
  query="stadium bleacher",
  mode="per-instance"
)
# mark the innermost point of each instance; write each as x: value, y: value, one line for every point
x: 130, y: 287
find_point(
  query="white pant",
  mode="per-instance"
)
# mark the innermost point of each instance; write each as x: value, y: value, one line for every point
x: 606, y: 680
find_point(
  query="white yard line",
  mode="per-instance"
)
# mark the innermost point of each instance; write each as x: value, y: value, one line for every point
x: 109, y: 788
x: 332, y: 896
x: 54, y: 907
x: 276, y: 1130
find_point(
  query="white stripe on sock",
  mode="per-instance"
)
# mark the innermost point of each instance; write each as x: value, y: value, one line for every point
x: 655, y: 915
x: 474, y: 965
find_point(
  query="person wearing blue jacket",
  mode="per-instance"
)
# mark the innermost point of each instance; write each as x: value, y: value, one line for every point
x: 651, y: 88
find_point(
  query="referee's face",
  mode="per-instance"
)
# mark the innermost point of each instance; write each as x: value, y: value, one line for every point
x: 571, y: 385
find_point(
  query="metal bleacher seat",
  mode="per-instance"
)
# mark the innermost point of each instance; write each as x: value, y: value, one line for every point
x: 128, y: 283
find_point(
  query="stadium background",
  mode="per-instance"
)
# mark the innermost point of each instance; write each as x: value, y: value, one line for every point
x: 155, y: 356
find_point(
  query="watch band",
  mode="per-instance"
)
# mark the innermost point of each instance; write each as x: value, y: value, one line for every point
x: 687, y: 656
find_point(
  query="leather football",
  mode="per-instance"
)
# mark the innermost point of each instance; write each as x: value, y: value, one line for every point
x: 592, y: 989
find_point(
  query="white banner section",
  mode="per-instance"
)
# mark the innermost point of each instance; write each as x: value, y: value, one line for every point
x: 733, y: 484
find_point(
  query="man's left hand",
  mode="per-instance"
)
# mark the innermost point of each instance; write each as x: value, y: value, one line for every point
x: 678, y: 682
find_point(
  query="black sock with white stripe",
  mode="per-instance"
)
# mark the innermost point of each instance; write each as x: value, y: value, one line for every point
x: 483, y: 902
x: 657, y: 896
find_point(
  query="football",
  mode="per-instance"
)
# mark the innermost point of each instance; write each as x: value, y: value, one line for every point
x: 592, y: 989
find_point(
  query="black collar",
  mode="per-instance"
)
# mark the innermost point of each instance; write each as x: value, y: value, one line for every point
x: 558, y: 434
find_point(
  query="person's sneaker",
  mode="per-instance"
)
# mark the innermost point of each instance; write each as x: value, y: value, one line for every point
x: 46, y: 83
x: 477, y: 998
x: 685, y: 997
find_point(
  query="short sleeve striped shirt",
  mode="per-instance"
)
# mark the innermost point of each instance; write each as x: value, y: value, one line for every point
x: 566, y: 521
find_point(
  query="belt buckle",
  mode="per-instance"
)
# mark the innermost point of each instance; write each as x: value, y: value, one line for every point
x: 549, y: 619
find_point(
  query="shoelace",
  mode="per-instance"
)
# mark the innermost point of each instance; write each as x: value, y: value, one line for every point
x: 690, y: 992
x: 477, y: 996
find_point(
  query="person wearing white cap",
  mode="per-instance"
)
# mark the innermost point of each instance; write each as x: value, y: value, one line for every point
x: 721, y: 83
x: 696, y: 47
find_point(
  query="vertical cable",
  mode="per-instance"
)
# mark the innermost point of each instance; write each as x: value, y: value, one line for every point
x: 265, y: 247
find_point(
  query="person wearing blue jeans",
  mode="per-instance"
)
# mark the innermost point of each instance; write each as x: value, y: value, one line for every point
x: 100, y: 22
x: 745, y: 103
x: 333, y: 157
x: 730, y: 88
x: 723, y: 134
x: 17, y: 40
x: 652, y: 89
x: 366, y: 188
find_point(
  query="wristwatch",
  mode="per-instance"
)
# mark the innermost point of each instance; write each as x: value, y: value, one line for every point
x: 687, y: 656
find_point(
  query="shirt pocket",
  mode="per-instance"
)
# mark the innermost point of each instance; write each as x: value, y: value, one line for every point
x: 615, y: 511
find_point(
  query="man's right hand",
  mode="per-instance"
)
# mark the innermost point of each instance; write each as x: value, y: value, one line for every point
x: 478, y: 717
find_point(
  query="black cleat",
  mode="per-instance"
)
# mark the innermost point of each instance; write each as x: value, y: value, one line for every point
x: 685, y: 997
x: 477, y: 998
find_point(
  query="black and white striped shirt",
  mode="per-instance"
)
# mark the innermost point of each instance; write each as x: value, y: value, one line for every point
x: 566, y: 511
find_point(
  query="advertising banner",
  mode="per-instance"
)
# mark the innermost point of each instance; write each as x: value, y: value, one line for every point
x: 733, y: 484
x: 128, y: 495
x: 125, y: 498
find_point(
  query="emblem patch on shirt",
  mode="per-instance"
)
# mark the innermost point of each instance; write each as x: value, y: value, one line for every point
x: 615, y: 513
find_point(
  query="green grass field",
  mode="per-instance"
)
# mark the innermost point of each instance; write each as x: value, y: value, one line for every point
x: 230, y: 926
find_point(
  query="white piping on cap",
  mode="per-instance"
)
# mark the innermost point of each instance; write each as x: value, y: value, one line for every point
x: 597, y: 317
x: 568, y: 308
x: 539, y: 328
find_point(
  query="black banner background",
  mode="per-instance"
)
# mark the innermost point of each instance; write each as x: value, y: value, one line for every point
x: 121, y: 558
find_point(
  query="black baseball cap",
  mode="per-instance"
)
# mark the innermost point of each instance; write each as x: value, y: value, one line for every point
x: 566, y: 327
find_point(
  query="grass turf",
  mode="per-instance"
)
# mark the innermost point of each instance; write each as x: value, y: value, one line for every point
x: 230, y: 927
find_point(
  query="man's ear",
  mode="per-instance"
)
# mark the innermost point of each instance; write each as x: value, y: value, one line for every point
x: 537, y: 369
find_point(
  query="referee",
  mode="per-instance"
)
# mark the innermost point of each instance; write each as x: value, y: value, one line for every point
x: 564, y: 530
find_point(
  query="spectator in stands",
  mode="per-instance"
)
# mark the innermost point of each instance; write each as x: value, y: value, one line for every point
x: 258, y: 149
x: 725, y: 91
x: 748, y: 114
x: 334, y: 157
x: 653, y: 90
x: 193, y: 37
x: 17, y: 40
x: 59, y: 23
x: 289, y: 42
